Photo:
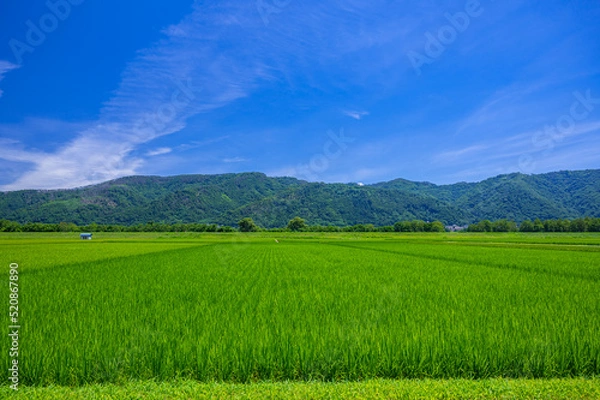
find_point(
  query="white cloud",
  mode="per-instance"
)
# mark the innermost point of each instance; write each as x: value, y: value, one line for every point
x: 11, y: 150
x: 453, y: 155
x: 356, y: 114
x: 523, y: 153
x: 212, y: 57
x: 222, y: 52
x: 182, y: 75
x: 159, y: 151
x: 235, y: 160
x: 88, y: 159
x: 201, y: 143
x: 5, y: 67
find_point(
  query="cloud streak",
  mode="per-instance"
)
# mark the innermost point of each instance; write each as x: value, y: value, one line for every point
x: 182, y: 75
x: 453, y: 155
x: 216, y: 55
x: 357, y: 115
x: 221, y: 83
x: 235, y: 160
x: 5, y: 67
x: 159, y: 151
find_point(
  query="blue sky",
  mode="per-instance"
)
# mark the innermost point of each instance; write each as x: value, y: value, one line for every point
x: 344, y: 91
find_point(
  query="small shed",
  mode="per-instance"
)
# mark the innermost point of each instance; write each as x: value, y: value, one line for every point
x: 86, y: 236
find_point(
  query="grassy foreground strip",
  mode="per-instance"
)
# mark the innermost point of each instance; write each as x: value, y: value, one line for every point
x: 576, y: 388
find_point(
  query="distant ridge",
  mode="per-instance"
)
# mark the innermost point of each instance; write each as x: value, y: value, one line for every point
x: 225, y: 199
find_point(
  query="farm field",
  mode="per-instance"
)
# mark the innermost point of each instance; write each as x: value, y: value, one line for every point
x: 245, y: 308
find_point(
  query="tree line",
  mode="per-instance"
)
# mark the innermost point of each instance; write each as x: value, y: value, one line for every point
x: 550, y: 225
x: 298, y: 224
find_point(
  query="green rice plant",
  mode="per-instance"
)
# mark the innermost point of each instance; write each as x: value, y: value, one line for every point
x: 327, y: 308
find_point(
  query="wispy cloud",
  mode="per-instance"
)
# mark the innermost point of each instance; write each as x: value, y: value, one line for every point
x: 314, y: 64
x: 159, y: 151
x: 5, y: 67
x: 453, y: 155
x: 356, y: 114
x: 517, y: 98
x: 235, y: 160
x: 535, y: 140
x: 12, y: 150
x: 90, y: 158
x: 214, y: 56
x: 182, y: 75
x: 521, y: 152
x: 201, y: 143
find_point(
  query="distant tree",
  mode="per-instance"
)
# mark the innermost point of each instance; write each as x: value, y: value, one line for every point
x: 93, y: 227
x: 418, y: 226
x: 594, y: 225
x: 361, y: 228
x: 551, y: 225
x: 403, y: 226
x: 436, y: 226
x: 369, y: 228
x: 481, y: 226
x: 296, y: 224
x: 474, y: 228
x: 564, y: 225
x: 247, y: 225
x: 526, y: 226
x: 67, y: 227
x: 30, y: 227
x: 487, y: 225
x: 579, y: 225
x: 9, y: 226
x: 538, y: 225
x: 504, y: 225
x: 114, y: 228
x: 211, y: 228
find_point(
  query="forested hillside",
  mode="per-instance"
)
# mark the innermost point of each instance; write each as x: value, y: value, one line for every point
x: 225, y: 199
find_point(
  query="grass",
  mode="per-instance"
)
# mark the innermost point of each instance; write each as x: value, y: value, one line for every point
x: 373, y: 308
x: 567, y: 389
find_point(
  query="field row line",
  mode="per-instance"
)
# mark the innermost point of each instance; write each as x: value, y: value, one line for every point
x: 473, y: 263
x: 529, y: 246
x: 35, y: 271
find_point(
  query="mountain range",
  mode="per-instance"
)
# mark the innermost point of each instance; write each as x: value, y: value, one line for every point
x: 272, y: 201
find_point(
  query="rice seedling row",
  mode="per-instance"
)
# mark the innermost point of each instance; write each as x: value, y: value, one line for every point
x: 246, y: 308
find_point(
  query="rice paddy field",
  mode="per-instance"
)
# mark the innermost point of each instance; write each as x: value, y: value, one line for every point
x: 273, y: 315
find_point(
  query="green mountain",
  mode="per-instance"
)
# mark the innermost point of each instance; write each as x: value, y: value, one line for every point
x: 271, y: 202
